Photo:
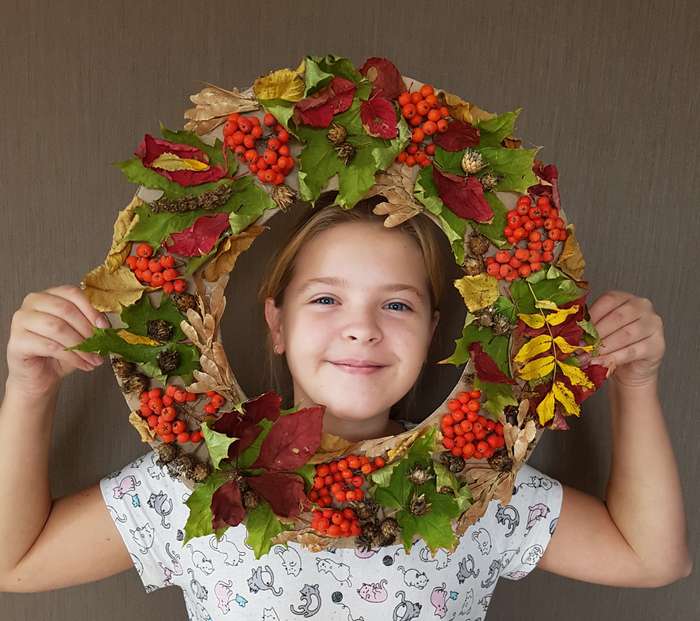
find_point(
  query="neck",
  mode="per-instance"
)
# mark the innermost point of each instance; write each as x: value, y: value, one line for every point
x: 378, y: 426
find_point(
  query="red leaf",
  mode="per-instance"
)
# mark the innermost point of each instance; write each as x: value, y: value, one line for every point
x: 384, y: 76
x: 150, y: 148
x: 245, y: 426
x: 284, y: 492
x: 226, y: 506
x: 486, y: 368
x: 464, y: 196
x: 379, y: 118
x: 318, y: 109
x: 550, y: 174
x: 459, y: 136
x: 199, y: 238
x: 292, y: 440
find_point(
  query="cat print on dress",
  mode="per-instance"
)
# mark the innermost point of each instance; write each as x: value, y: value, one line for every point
x: 310, y: 601
x: 222, y: 580
x: 258, y: 582
x: 340, y: 571
x: 406, y: 610
x: 228, y: 549
x: 374, y: 592
x: 509, y: 517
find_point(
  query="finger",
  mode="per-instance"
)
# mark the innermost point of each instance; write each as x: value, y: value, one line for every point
x: 76, y: 295
x: 65, y: 308
x: 33, y: 344
x: 58, y: 330
x: 607, y: 302
x: 629, y: 353
x: 618, y: 317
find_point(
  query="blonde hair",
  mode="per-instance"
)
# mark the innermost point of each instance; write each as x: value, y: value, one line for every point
x: 321, y: 217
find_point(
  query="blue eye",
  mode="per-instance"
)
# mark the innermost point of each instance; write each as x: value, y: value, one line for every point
x: 324, y: 297
x: 327, y: 297
x: 401, y: 303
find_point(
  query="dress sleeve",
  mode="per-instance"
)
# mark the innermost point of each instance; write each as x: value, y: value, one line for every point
x: 146, y: 505
x: 532, y: 515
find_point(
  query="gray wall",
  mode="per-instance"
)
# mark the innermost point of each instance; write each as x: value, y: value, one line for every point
x: 609, y: 88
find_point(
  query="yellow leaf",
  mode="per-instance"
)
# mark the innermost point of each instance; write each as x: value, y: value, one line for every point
x: 546, y: 304
x: 532, y: 348
x: 135, y: 339
x: 284, y: 84
x: 125, y: 222
x: 566, y: 398
x: 534, y: 321
x: 554, y: 319
x: 576, y: 375
x: 567, y: 348
x: 465, y: 110
x: 170, y: 161
x: 571, y: 259
x: 110, y: 291
x: 478, y: 291
x: 545, y: 409
x: 537, y: 369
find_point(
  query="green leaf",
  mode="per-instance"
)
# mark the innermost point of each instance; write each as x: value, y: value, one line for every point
x: 282, y: 110
x: 558, y: 289
x: 199, y: 521
x: 495, y: 396
x: 449, y: 161
x: 262, y: 526
x: 217, y: 444
x: 493, y: 131
x: 137, y: 316
x: 493, y: 230
x: 513, y: 165
x: 137, y: 173
x: 247, y: 204
x: 505, y: 307
x: 308, y: 472
x: 495, y: 346
x: 319, y: 71
x: 105, y: 341
x: 249, y: 455
x: 318, y: 162
x: 214, y: 152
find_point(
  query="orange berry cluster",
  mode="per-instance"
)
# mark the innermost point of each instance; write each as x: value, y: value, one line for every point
x: 342, y: 479
x: 158, y: 410
x: 465, y: 432
x: 214, y: 403
x: 336, y: 523
x: 158, y: 272
x: 540, y: 226
x: 241, y: 134
x: 422, y: 110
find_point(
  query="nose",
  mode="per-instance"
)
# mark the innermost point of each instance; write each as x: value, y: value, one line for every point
x: 362, y: 326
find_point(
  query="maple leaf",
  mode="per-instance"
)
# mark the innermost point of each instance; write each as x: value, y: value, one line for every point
x: 199, y: 238
x: 227, y: 505
x: 550, y: 175
x: 318, y: 109
x: 458, y: 136
x: 283, y: 490
x: 464, y: 196
x: 486, y: 368
x: 379, y: 119
x: 384, y: 76
x: 150, y: 149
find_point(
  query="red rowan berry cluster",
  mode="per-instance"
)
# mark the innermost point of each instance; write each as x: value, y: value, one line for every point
x: 465, y: 432
x: 540, y: 226
x: 159, y: 411
x: 241, y: 133
x: 336, y: 523
x: 422, y: 111
x: 342, y: 480
x: 215, y: 402
x: 158, y: 272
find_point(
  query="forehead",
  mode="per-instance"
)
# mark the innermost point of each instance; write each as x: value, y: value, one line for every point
x: 364, y: 253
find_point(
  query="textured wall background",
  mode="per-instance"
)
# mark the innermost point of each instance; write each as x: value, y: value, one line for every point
x: 609, y: 89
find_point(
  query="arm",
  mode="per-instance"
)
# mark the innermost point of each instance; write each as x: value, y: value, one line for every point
x: 619, y: 542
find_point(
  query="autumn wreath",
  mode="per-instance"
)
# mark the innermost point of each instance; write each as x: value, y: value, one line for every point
x: 205, y: 193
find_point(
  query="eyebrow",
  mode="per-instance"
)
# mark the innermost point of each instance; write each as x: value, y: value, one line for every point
x: 341, y: 282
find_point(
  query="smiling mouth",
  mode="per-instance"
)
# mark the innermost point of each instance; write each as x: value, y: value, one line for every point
x: 357, y: 370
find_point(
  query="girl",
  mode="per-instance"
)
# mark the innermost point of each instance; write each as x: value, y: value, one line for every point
x: 352, y: 307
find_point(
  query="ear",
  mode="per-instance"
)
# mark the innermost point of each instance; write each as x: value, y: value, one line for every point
x: 273, y: 317
x: 434, y: 322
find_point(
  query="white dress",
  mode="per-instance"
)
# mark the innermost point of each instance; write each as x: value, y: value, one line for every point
x: 223, y: 580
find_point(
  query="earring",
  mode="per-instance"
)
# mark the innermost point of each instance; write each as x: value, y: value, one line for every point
x: 276, y: 349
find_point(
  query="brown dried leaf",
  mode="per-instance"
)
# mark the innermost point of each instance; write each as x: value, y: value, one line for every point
x: 109, y: 291
x: 464, y: 110
x: 571, y: 260
x: 210, y: 367
x: 125, y: 222
x: 191, y: 333
x: 196, y: 322
x: 307, y: 537
x: 396, y: 185
x: 213, y: 104
x: 511, y: 143
x: 147, y: 434
x: 229, y: 249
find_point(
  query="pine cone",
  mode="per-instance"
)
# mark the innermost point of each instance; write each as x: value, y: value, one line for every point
x: 456, y: 464
x: 206, y: 200
x: 500, y: 460
x: 166, y: 453
x: 478, y: 244
x: 346, y: 152
x: 473, y: 266
x: 283, y: 196
x: 419, y: 475
x: 489, y: 181
x: 168, y: 360
x: 500, y: 325
x: 337, y: 134
x: 123, y: 368
x: 201, y: 471
x: 160, y: 330
x: 472, y: 161
x: 366, y: 510
x: 419, y: 505
x: 511, y: 414
x: 184, y: 301
x: 389, y: 529
x: 182, y: 466
x: 136, y: 383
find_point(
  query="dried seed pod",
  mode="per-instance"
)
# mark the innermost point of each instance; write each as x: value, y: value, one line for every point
x: 444, y: 458
x: 368, y: 539
x: 346, y: 152
x: 500, y: 460
x: 200, y: 472
x: 501, y: 325
x: 207, y: 200
x: 419, y: 474
x: 366, y: 510
x: 166, y: 453
x: 473, y: 266
x: 160, y: 330
x: 136, y: 383
x: 182, y: 465
x: 456, y: 464
x: 472, y: 161
x: 168, y: 360
x: 489, y: 181
x: 336, y: 134
x: 389, y: 529
x: 511, y: 414
x: 283, y: 196
x: 184, y: 301
x: 419, y: 505
x: 123, y: 368
x: 478, y: 244
x: 250, y: 499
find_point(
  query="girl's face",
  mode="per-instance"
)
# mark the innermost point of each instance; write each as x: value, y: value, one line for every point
x: 355, y: 325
